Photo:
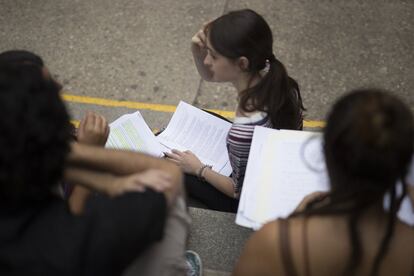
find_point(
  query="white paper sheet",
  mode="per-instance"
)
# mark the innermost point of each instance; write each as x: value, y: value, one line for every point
x: 205, y: 135
x: 406, y: 212
x: 283, y: 167
x: 131, y: 132
x: 287, y: 167
x: 227, y: 169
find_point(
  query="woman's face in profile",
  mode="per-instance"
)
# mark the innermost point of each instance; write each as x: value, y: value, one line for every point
x: 223, y: 68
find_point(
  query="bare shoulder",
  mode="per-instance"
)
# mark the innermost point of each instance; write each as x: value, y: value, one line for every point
x: 404, y: 234
x: 262, y: 254
x: 259, y: 255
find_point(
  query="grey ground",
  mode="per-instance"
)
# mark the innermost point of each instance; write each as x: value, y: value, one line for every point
x: 140, y: 51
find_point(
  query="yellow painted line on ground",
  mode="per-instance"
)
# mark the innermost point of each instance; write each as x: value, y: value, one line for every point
x: 313, y: 124
x: 114, y: 103
x: 154, y: 107
x: 75, y: 123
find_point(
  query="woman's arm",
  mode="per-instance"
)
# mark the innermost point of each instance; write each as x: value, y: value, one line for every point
x: 221, y: 182
x: 93, y: 130
x: 90, y: 154
x: 112, y: 185
x: 124, y: 163
x: 119, y: 162
x: 114, y: 172
x: 190, y: 164
x: 86, y: 181
x: 199, y: 50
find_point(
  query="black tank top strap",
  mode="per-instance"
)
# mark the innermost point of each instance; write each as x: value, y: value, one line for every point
x: 286, y: 252
x: 305, y: 246
x: 284, y: 237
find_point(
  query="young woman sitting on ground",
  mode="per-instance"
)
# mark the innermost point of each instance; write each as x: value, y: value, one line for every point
x: 238, y: 48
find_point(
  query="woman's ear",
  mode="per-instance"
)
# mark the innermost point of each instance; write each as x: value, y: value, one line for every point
x: 243, y: 63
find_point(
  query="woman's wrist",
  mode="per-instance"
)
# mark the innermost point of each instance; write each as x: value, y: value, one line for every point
x: 201, y: 171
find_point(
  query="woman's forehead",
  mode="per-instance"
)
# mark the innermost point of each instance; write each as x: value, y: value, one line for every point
x: 210, y: 47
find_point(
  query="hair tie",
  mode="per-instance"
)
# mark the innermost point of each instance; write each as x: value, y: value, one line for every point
x: 272, y: 58
x: 267, y: 66
x: 268, y: 60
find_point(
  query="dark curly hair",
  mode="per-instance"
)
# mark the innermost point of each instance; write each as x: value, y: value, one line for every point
x: 35, y: 131
x: 17, y: 57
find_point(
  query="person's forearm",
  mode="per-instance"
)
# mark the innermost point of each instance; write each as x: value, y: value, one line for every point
x: 94, y: 180
x: 222, y: 183
x: 120, y: 162
x: 77, y: 199
x: 85, y: 181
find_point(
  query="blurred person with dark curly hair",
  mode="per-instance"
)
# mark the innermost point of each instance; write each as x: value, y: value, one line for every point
x: 110, y: 234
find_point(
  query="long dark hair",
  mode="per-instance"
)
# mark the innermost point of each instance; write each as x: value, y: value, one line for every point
x: 368, y: 146
x: 246, y: 33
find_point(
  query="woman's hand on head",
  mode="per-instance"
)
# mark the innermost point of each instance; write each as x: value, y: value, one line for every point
x: 199, y: 51
x: 154, y: 179
x: 199, y: 40
x: 93, y: 130
x: 186, y: 160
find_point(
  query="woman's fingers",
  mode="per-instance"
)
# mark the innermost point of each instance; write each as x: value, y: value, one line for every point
x: 176, y: 162
x: 177, y: 152
x: 107, y: 130
x: 91, y: 121
x: 102, y: 122
x: 172, y: 155
x: 200, y: 38
x: 156, y: 179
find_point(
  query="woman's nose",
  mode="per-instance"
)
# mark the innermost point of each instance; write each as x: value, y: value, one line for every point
x: 207, y: 60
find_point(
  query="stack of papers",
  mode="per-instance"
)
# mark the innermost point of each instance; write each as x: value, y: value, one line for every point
x: 283, y: 167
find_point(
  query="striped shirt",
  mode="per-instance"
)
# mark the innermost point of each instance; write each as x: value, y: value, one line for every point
x: 239, y: 140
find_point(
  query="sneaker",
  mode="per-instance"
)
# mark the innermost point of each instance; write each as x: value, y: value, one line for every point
x: 194, y: 264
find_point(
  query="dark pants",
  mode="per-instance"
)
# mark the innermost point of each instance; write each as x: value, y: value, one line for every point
x: 200, y: 191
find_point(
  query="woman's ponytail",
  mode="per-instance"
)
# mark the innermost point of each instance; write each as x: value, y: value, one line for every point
x: 278, y: 95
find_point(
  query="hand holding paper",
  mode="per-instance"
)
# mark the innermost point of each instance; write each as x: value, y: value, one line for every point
x: 187, y: 160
